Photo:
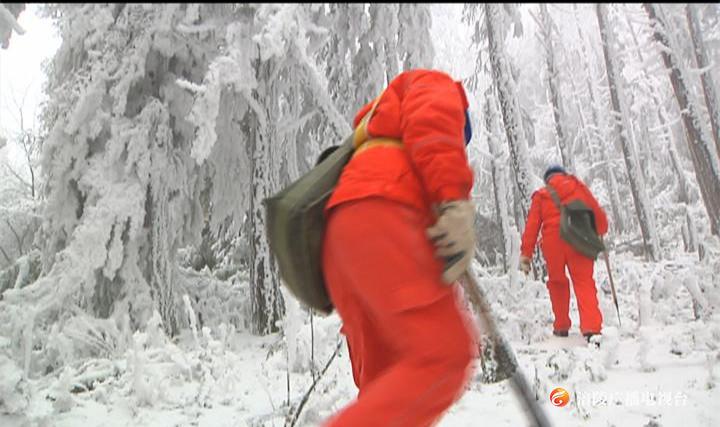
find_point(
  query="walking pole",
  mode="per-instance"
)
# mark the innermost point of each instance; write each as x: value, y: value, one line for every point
x: 504, y: 354
x: 612, y: 285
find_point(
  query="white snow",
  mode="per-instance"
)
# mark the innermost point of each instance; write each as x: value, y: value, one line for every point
x: 663, y: 371
x: 129, y: 157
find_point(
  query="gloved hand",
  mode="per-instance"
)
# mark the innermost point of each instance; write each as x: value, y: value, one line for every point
x: 524, y: 264
x: 454, y: 237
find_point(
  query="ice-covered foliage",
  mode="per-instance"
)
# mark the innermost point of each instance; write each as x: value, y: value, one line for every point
x: 501, y: 187
x: 9, y: 13
x: 623, y: 131
x: 12, y: 395
x: 228, y: 377
x: 548, y: 29
x: 706, y: 160
x: 414, y: 42
x: 169, y: 123
x: 122, y: 190
x: 19, y: 221
x: 20, y: 204
x: 168, y: 120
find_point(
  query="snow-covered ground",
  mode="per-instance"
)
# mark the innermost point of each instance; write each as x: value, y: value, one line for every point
x: 660, y: 368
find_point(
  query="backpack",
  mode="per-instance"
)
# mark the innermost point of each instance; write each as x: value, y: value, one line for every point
x: 577, y: 226
x: 295, y: 221
x: 296, y: 225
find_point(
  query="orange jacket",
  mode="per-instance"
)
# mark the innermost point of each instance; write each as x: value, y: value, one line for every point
x: 544, y: 212
x: 424, y: 109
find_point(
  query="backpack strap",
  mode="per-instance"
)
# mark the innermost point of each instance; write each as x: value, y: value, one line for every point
x: 360, y: 135
x: 554, y: 196
x: 378, y: 142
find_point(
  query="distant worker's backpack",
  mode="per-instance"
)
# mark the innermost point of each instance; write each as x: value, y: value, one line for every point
x: 577, y: 226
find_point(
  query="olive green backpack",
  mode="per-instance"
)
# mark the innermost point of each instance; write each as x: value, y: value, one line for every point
x: 296, y: 225
x: 577, y: 226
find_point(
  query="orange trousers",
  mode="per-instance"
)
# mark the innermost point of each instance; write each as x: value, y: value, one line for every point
x: 559, y: 254
x: 410, y: 340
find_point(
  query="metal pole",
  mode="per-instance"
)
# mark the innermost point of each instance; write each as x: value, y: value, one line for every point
x: 504, y: 353
x: 612, y: 285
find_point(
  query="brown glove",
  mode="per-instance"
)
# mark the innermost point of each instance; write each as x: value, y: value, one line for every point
x: 454, y: 237
x: 524, y: 264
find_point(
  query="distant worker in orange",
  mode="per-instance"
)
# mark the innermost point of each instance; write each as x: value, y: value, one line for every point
x: 559, y: 254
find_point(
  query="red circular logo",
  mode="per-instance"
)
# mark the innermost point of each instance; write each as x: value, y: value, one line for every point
x: 559, y: 397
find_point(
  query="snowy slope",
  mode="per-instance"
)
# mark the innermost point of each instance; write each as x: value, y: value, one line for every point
x: 664, y: 373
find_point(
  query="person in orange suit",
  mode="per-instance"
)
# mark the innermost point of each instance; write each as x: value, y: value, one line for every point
x: 559, y: 254
x: 399, y: 233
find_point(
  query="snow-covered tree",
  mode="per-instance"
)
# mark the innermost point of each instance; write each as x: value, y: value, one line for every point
x: 366, y: 49
x: 703, y: 63
x: 548, y: 29
x: 277, y: 88
x: 705, y: 159
x: 650, y: 97
x: 499, y: 177
x: 598, y: 132
x: 415, y: 46
x: 122, y: 188
x: 19, y: 196
x: 122, y: 181
x: 643, y: 206
x: 9, y: 13
x: 172, y: 122
x: 495, y: 24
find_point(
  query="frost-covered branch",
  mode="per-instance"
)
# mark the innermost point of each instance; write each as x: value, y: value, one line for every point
x: 8, y: 22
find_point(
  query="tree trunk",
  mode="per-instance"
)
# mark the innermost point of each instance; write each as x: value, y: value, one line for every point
x: 509, y: 107
x: 529, y: 128
x: 504, y: 84
x: 553, y: 85
x: 683, y: 193
x: 266, y: 303
x: 499, y: 178
x: 703, y: 64
x: 385, y: 16
x: 618, y: 222
x: 704, y: 158
x: 645, y: 154
x: 691, y: 230
x: 581, y: 137
x: 643, y: 206
x: 615, y: 204
x: 414, y: 39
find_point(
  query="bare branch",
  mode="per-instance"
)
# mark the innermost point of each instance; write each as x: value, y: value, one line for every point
x: 17, y: 236
x: 26, y: 139
x: 18, y: 177
x: 293, y: 416
x: 535, y: 18
x: 9, y: 21
x: 28, y: 144
x: 20, y: 111
x: 25, y: 233
x: 7, y: 258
